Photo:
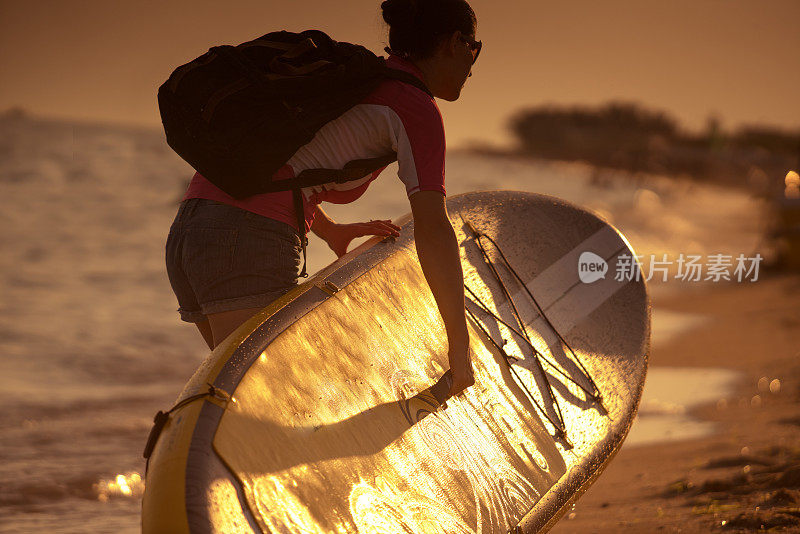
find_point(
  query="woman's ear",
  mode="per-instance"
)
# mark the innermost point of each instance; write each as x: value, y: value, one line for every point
x: 451, y: 43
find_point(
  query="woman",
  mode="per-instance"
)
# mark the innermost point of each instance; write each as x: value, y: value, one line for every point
x: 228, y: 258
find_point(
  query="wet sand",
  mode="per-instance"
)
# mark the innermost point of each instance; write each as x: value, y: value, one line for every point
x: 746, y: 476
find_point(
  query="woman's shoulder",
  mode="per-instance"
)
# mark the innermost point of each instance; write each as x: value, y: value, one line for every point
x: 408, y: 101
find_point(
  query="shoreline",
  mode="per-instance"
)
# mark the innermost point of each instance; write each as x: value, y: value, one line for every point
x: 746, y: 474
x: 711, y: 168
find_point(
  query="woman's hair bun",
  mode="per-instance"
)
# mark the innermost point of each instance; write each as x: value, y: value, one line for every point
x: 416, y: 26
x: 399, y: 13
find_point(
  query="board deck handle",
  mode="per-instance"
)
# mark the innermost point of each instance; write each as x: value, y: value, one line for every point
x: 441, y: 389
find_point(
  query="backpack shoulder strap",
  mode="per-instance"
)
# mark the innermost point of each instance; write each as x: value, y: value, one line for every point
x: 353, y: 170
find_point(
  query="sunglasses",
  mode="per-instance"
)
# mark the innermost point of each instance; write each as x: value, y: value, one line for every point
x: 474, y: 46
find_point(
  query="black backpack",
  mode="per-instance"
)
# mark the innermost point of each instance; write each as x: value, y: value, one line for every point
x: 237, y: 114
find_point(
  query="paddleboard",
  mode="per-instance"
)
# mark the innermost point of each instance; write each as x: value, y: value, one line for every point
x: 324, y: 412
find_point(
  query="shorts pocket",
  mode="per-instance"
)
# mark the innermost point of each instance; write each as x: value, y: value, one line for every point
x: 208, y: 254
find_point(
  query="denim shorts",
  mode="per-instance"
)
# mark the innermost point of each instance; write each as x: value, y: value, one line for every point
x: 223, y: 258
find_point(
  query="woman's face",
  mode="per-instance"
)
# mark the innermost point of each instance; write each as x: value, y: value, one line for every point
x: 461, y: 52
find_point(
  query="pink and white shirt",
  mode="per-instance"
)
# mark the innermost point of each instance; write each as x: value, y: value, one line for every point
x: 395, y: 117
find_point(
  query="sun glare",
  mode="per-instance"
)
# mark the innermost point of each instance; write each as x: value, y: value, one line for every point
x: 792, y: 182
x: 123, y: 485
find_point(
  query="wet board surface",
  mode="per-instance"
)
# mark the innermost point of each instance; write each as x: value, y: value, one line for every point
x: 322, y: 421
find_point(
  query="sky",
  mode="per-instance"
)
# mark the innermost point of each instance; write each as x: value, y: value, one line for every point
x: 103, y: 60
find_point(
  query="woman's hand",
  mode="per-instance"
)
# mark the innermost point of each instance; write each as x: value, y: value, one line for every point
x: 339, y: 236
x: 461, y: 369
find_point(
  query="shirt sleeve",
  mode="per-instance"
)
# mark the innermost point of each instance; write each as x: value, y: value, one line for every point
x: 420, y: 143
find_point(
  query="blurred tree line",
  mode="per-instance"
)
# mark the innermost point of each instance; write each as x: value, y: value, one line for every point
x: 627, y: 136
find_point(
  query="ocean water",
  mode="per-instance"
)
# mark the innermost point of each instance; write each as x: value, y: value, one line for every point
x: 91, y: 345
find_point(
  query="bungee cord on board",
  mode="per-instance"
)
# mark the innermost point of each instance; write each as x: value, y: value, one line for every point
x: 593, y: 394
x: 597, y: 396
x: 559, y: 425
x: 556, y: 368
x: 162, y: 417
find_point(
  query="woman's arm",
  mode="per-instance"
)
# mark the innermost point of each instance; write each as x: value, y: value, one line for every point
x: 338, y: 236
x: 437, y: 248
x: 322, y: 224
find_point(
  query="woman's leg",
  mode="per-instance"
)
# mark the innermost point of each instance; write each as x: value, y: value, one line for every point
x: 235, y: 263
x: 222, y: 324
x: 205, y: 330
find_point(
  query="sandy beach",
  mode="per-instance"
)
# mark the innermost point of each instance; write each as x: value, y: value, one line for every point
x: 745, y: 477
